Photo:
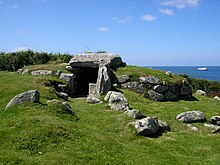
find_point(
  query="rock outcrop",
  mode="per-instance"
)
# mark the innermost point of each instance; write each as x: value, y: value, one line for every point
x: 41, y: 73
x: 135, y: 113
x: 29, y: 96
x: 191, y: 116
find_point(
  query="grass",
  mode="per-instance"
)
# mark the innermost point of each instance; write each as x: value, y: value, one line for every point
x: 36, y: 134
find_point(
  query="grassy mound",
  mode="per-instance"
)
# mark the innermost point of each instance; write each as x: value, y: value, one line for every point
x: 39, y: 134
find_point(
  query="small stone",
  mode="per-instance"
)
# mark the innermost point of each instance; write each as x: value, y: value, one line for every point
x: 136, y: 114
x: 201, y: 93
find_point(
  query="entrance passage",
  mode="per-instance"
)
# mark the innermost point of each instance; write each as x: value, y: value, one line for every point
x: 83, y: 77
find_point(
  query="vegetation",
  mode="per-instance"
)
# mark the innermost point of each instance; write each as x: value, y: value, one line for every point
x: 16, y: 60
x: 39, y: 134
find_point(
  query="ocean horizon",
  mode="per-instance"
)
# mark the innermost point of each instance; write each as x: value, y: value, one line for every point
x: 213, y: 72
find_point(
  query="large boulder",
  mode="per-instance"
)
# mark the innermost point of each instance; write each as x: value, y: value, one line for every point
x: 123, y: 79
x: 155, y: 96
x: 147, y: 126
x: 161, y: 88
x: 29, y: 96
x: 69, y: 78
x: 93, y: 99
x: 215, y: 120
x: 185, y: 91
x: 103, y: 83
x: 117, y: 101
x: 150, y: 80
x: 191, y: 116
x: 41, y: 73
x: 136, y: 86
x: 93, y: 60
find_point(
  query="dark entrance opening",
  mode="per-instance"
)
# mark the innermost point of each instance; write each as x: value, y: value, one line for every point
x: 84, y: 76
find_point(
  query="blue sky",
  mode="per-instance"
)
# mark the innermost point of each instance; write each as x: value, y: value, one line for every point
x: 142, y: 32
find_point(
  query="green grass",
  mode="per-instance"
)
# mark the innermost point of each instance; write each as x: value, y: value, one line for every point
x: 36, y: 134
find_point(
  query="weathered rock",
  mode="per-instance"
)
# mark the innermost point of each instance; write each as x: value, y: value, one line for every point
x: 93, y: 60
x: 155, y: 96
x: 41, y: 73
x: 147, y: 126
x: 170, y: 96
x: 150, y: 80
x: 70, y: 81
x: 191, y: 116
x: 136, y: 86
x: 64, y: 106
x: 161, y: 88
x: 92, y: 89
x: 169, y: 73
x: 216, y: 129
x: 185, y: 91
x: 216, y: 98
x: 193, y: 128
x: 29, y: 96
x: 117, y: 101
x: 201, y: 93
x: 63, y: 96
x: 103, y: 83
x: 23, y: 71
x: 93, y: 99
x: 58, y: 73
x: 215, y: 120
x: 163, y: 126
x: 136, y: 114
x: 123, y: 79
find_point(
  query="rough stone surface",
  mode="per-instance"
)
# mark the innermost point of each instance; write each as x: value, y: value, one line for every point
x: 136, y: 114
x: 103, y: 83
x: 41, y: 73
x: 216, y: 98
x: 185, y: 90
x: 155, y: 96
x: 92, y: 89
x: 93, y: 60
x: 191, y: 116
x: 71, y: 83
x: 23, y: 71
x: 201, y: 93
x: 63, y: 96
x: 215, y: 120
x: 170, y: 96
x: 193, y: 128
x: 161, y: 88
x: 163, y: 126
x: 136, y: 86
x: 29, y: 96
x: 150, y: 80
x: 117, y: 101
x: 169, y: 73
x: 93, y: 99
x: 58, y: 73
x: 147, y: 126
x: 216, y: 128
x: 65, y: 107
x: 123, y: 79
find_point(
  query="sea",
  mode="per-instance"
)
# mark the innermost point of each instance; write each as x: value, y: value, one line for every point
x: 213, y: 72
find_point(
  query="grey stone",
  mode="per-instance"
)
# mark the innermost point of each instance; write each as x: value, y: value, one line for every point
x: 136, y: 114
x: 170, y: 96
x: 66, y: 107
x: 163, y: 126
x: 103, y: 83
x: 92, y: 89
x: 136, y: 86
x: 150, y: 80
x: 169, y: 73
x: 147, y: 126
x: 185, y: 90
x: 191, y: 116
x: 155, y: 96
x: 193, y: 128
x: 63, y: 96
x: 123, y: 79
x: 201, y: 93
x: 161, y: 88
x: 93, y: 60
x: 216, y: 98
x: 58, y: 73
x: 29, y: 96
x: 93, y: 99
x: 41, y: 73
x: 117, y: 101
x: 216, y: 129
x: 215, y: 120
x: 69, y: 78
x: 23, y: 71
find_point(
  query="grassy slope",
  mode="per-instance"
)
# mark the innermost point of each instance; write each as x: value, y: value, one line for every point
x: 35, y: 134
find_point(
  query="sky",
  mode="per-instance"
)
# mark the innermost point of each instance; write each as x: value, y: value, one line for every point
x: 142, y: 32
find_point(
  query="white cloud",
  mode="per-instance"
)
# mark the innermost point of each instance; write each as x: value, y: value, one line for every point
x: 103, y: 29
x: 125, y: 20
x: 167, y: 12
x: 147, y: 17
x: 181, y: 4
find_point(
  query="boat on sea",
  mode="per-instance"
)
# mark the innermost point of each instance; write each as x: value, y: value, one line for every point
x: 202, y: 69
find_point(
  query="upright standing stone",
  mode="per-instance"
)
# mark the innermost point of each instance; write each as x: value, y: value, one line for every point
x: 71, y: 83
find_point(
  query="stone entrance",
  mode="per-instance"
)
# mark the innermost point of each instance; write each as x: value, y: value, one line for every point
x: 93, y: 72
